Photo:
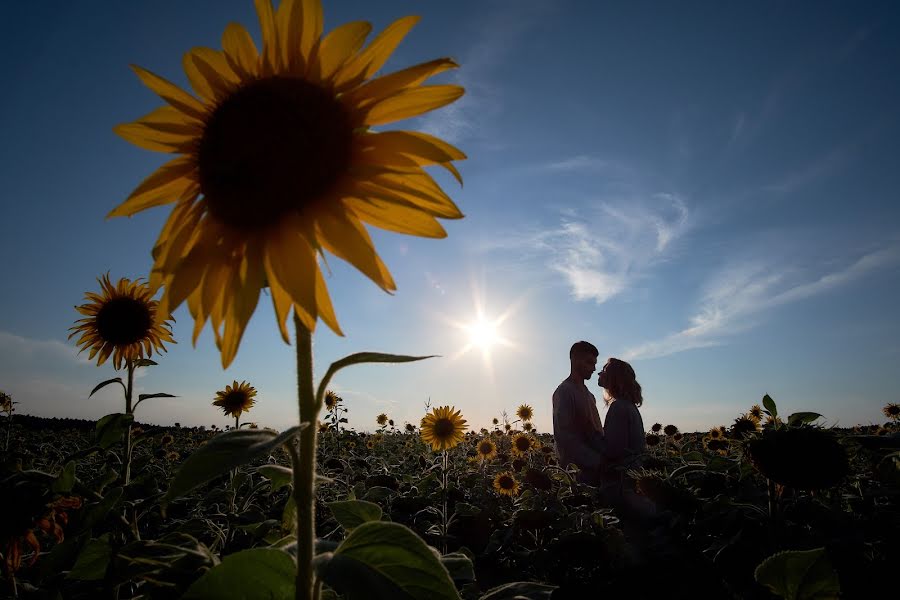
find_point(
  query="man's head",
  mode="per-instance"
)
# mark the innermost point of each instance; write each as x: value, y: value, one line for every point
x: 583, y: 357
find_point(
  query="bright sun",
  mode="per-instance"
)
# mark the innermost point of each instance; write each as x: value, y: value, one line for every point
x: 483, y: 334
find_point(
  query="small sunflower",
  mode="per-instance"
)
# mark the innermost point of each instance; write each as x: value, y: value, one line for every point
x: 324, y: 427
x: 166, y: 440
x: 236, y: 398
x: 381, y: 419
x: 657, y: 427
x: 6, y: 403
x: 755, y: 413
x: 772, y: 421
x: 507, y: 427
x: 410, y: 428
x: 892, y: 411
x: 276, y: 162
x: 122, y: 321
x: 719, y: 444
x: 495, y: 421
x: 486, y: 449
x: 670, y: 430
x: 443, y: 428
x: 522, y: 444
x: 678, y: 436
x: 351, y: 445
x: 370, y: 444
x: 377, y: 438
x: 525, y: 412
x: 652, y: 439
x: 743, y: 426
x: 506, y: 484
x: 527, y: 426
x: 331, y: 400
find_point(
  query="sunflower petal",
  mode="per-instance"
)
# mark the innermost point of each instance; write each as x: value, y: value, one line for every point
x: 405, y: 147
x: 344, y: 236
x: 171, y: 93
x: 311, y: 26
x: 281, y: 302
x: 366, y: 63
x: 323, y: 302
x: 396, y: 217
x: 291, y: 264
x: 410, y: 103
x: 163, y: 130
x: 390, y: 84
x: 209, y: 73
x: 287, y: 23
x: 245, y: 297
x: 240, y: 51
x: 418, y: 190
x: 339, y: 45
x: 269, y: 35
x: 164, y: 186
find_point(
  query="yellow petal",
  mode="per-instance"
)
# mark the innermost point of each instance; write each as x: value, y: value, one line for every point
x: 281, y: 302
x: 163, y: 130
x: 366, y: 63
x: 171, y: 93
x: 345, y: 237
x: 419, y: 190
x: 388, y: 85
x: 244, y: 300
x: 401, y: 147
x: 323, y: 302
x: 291, y: 263
x: 396, y: 217
x: 410, y: 103
x: 288, y: 19
x: 311, y: 26
x: 165, y: 185
x: 209, y: 73
x: 339, y: 45
x: 269, y: 35
x: 240, y: 51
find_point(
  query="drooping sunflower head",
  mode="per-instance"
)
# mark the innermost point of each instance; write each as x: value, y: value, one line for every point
x: 657, y: 427
x: 166, y: 440
x: 324, y: 427
x: 381, y: 419
x: 522, y: 444
x: 892, y: 411
x: 670, y: 430
x: 331, y: 400
x: 495, y: 421
x: 715, y: 433
x: 507, y: 427
x: 486, y: 449
x: 527, y: 426
x: 652, y: 439
x: 525, y: 412
x: 743, y: 426
x: 6, y: 402
x: 755, y: 413
x: 410, y: 428
x: 506, y: 484
x: 276, y: 162
x: 122, y: 321
x: 236, y: 398
x: 443, y: 428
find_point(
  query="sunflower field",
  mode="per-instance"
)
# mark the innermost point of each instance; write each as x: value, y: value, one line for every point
x: 786, y: 509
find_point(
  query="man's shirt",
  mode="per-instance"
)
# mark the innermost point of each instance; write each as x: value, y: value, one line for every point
x: 577, y: 429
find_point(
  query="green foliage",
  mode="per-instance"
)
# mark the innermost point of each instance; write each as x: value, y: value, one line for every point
x: 386, y: 560
x: 360, y: 358
x: 769, y: 405
x: 800, y: 418
x: 93, y: 560
x: 257, y: 573
x: 520, y: 590
x: 799, y: 575
x: 224, y: 452
x: 103, y: 384
x: 66, y: 479
x: 353, y: 513
x: 279, y: 475
x: 111, y: 429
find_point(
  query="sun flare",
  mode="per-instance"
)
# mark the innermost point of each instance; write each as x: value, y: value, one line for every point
x: 483, y: 333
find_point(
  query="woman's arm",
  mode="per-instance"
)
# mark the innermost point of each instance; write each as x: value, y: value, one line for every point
x: 616, y: 429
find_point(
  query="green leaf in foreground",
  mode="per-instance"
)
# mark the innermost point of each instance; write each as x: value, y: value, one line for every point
x: 519, y: 590
x: 279, y: 475
x: 224, y: 452
x: 103, y: 384
x: 93, y: 560
x: 111, y: 429
x: 66, y: 479
x: 256, y: 573
x: 386, y: 560
x: 799, y: 575
x: 359, y: 358
x: 803, y: 417
x: 353, y: 513
x: 769, y: 405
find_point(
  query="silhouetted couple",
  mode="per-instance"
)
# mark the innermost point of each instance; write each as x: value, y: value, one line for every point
x: 602, y: 453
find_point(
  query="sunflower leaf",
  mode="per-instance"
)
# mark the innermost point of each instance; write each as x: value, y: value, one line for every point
x: 520, y: 589
x: 353, y: 513
x: 254, y: 573
x: 224, y: 452
x: 279, y: 475
x: 359, y: 358
x: 145, y: 362
x: 143, y: 397
x: 799, y: 575
x: 799, y: 418
x: 769, y: 404
x: 379, y: 559
x: 111, y: 429
x: 106, y: 383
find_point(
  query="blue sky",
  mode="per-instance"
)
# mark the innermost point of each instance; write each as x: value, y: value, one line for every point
x: 707, y: 190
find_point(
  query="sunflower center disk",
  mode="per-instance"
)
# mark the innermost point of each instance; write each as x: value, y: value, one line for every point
x: 443, y: 428
x: 273, y: 146
x: 123, y: 321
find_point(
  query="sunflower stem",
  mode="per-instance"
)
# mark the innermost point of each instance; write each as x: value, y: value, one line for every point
x: 129, y: 410
x: 304, y: 470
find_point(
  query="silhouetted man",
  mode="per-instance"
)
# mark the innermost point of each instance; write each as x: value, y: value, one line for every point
x: 577, y: 428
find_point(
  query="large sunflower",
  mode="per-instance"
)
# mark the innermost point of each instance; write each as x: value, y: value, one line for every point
x: 331, y: 400
x: 443, y: 428
x: 277, y: 162
x: 122, y: 321
x: 486, y: 449
x: 236, y: 398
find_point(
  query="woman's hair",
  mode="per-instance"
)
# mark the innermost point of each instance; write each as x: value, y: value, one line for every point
x: 620, y: 382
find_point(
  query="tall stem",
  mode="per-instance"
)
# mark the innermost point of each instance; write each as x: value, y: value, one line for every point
x: 305, y: 466
x: 444, y: 504
x: 129, y: 410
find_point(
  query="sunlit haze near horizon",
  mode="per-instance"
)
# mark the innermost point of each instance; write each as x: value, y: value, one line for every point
x: 706, y: 190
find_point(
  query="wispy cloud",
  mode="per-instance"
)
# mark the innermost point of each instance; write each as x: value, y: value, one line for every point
x: 500, y: 27
x: 602, y: 249
x: 738, y: 297
x: 22, y: 348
